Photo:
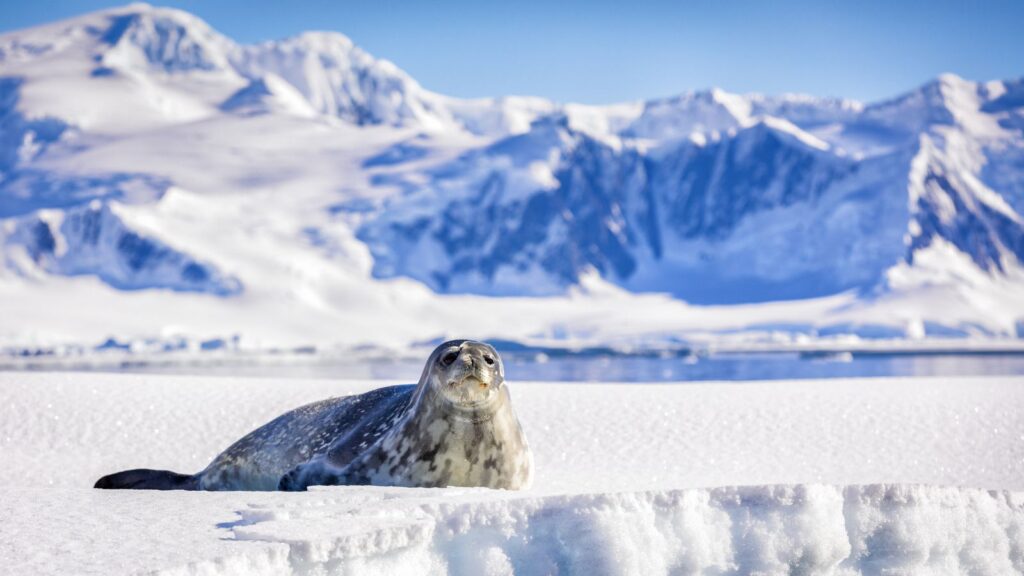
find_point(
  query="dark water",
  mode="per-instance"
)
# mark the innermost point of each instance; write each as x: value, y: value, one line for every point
x: 639, y: 369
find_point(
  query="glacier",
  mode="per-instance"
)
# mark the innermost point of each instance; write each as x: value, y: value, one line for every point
x: 269, y: 189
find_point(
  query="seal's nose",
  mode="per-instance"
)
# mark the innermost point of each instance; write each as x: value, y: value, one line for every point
x: 478, y: 357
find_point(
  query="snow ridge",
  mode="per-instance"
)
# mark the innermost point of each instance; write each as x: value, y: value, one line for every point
x: 95, y: 240
x: 814, y: 529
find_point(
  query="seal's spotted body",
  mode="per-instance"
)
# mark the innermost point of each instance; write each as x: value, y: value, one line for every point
x: 456, y: 427
x: 260, y: 459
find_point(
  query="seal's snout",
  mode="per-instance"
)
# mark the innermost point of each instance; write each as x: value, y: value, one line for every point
x: 471, y: 374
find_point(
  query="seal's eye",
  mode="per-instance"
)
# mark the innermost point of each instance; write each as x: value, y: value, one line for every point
x: 489, y: 359
x: 448, y: 358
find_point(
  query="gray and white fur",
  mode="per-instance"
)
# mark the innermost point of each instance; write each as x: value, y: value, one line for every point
x: 456, y: 427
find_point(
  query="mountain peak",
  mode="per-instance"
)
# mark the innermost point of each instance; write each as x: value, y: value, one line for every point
x: 705, y: 111
x: 951, y: 79
x: 322, y: 39
x: 940, y: 101
x: 135, y: 7
x: 142, y: 36
x: 140, y: 11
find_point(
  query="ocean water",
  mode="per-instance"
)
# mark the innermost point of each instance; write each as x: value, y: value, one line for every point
x: 625, y: 368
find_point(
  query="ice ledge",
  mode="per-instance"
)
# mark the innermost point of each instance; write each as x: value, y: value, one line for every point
x: 800, y: 529
x: 796, y: 529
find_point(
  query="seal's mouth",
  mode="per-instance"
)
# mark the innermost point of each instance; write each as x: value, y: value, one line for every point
x: 470, y: 392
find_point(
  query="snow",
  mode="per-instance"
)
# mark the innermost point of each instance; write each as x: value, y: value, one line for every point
x: 265, y: 166
x: 765, y: 530
x: 839, y: 476
x: 795, y: 132
x: 234, y: 186
x: 269, y: 94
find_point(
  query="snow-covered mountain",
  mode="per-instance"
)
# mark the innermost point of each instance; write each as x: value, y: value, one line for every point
x: 706, y: 198
x: 153, y: 167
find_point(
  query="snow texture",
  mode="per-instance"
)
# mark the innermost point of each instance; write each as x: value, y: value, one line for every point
x: 831, y: 476
x: 157, y: 178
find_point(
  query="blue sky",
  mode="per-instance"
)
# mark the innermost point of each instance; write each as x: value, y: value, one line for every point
x: 601, y: 52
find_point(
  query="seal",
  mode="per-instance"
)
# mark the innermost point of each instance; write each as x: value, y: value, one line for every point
x: 455, y: 427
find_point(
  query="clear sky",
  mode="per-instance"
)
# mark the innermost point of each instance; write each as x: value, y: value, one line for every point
x: 600, y: 52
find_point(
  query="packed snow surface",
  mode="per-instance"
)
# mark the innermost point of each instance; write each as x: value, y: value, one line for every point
x: 900, y: 476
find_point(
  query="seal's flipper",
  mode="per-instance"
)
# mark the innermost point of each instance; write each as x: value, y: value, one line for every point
x: 312, y: 473
x: 143, y: 479
x: 291, y: 482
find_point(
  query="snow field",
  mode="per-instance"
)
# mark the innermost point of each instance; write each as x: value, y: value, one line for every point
x: 630, y: 479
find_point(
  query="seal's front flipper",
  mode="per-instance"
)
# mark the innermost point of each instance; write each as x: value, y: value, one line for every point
x: 292, y: 481
x: 312, y: 473
x: 143, y: 479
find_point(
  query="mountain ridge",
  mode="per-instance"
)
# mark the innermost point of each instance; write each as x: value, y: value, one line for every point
x: 371, y: 183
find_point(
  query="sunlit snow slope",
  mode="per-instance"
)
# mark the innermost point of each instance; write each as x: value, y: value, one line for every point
x: 158, y: 179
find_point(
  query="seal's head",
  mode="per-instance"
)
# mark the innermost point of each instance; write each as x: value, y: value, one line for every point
x: 466, y: 375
